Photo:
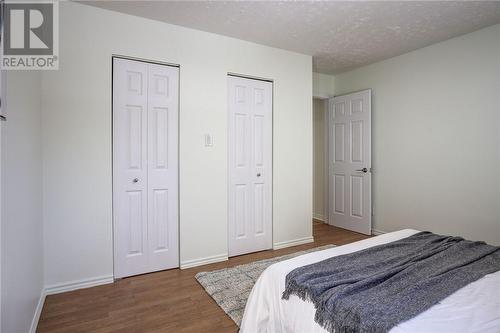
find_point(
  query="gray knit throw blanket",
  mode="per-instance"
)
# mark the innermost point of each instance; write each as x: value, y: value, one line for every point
x: 375, y: 289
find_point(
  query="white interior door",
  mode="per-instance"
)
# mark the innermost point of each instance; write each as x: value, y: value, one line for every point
x: 350, y: 162
x: 145, y: 167
x: 250, y: 165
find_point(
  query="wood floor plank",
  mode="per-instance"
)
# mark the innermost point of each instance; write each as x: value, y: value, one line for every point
x: 167, y: 301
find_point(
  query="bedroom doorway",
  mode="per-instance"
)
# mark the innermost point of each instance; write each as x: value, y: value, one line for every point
x: 145, y: 166
x: 250, y: 175
x: 320, y: 159
x: 349, y: 156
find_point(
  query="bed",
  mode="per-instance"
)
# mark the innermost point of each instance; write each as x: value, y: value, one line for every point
x: 474, y: 308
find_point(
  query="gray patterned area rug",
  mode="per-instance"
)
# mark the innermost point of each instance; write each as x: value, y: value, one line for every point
x: 230, y: 287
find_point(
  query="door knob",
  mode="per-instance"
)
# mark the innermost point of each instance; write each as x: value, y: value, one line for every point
x: 365, y: 170
x: 135, y: 180
x: 258, y: 175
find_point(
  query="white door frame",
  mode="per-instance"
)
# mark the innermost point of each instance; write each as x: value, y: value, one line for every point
x: 251, y: 77
x: 118, y: 56
x: 328, y: 153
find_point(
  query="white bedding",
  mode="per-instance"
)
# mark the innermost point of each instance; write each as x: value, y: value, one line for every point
x: 474, y: 308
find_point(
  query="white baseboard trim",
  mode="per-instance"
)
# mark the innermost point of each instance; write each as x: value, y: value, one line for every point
x: 38, y: 312
x: 293, y: 242
x: 63, y: 287
x: 204, y: 261
x: 78, y: 284
x: 376, y: 232
x: 319, y: 217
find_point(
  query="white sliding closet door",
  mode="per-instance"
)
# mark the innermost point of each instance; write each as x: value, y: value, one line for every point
x: 145, y: 167
x: 250, y: 165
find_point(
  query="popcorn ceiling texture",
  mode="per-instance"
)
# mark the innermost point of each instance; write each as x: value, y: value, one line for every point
x: 339, y: 35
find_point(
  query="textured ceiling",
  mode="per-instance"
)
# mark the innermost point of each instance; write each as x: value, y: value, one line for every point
x: 340, y: 35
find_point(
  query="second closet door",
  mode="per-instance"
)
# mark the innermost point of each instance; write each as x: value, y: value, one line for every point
x: 145, y: 167
x: 250, y: 165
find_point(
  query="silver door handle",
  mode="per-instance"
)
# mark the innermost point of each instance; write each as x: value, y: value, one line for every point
x: 135, y: 180
x: 365, y: 170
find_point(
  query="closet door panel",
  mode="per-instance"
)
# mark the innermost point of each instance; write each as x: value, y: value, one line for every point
x: 130, y: 105
x: 163, y: 167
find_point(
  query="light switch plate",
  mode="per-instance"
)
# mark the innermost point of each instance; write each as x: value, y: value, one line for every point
x: 209, y: 140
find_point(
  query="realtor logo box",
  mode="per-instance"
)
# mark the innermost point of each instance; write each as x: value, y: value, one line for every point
x: 30, y: 35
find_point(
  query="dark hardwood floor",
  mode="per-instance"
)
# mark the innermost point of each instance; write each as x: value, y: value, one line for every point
x: 167, y: 301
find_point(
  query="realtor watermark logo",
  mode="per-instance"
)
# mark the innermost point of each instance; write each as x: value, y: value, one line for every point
x: 30, y: 35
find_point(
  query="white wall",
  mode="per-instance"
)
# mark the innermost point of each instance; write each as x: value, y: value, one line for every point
x: 436, y: 136
x: 323, y: 85
x: 77, y: 136
x: 319, y: 173
x: 22, y: 242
